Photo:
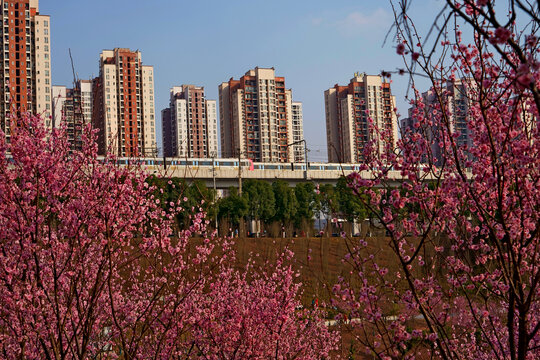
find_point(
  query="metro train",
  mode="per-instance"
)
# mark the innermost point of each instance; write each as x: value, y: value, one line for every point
x: 233, y: 164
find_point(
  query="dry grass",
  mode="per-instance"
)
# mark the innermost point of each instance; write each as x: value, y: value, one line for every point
x: 319, y: 260
x: 321, y: 271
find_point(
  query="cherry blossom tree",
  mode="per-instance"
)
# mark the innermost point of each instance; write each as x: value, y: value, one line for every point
x: 89, y: 267
x: 264, y: 317
x: 463, y: 225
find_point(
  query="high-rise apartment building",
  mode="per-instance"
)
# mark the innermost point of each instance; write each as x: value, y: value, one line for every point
x: 456, y: 96
x: 348, y: 110
x: 189, y: 124
x: 123, y: 104
x: 167, y: 133
x: 256, y: 117
x: 26, y: 69
x: 298, y: 132
x: 73, y: 107
x: 85, y: 88
x: 59, y: 97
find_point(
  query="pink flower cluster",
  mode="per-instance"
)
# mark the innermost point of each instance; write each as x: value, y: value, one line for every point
x: 92, y: 267
x: 460, y: 278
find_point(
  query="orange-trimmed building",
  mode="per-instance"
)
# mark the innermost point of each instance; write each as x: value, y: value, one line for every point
x: 123, y: 110
x: 25, y: 81
x: 256, y: 117
x: 348, y: 110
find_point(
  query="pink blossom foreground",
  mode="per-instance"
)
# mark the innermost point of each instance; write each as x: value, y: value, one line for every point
x: 464, y: 224
x: 89, y: 269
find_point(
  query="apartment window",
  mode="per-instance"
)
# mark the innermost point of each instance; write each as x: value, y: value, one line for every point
x: 46, y: 40
x: 46, y: 31
x: 46, y: 23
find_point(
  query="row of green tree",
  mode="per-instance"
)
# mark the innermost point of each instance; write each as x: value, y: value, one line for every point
x: 273, y: 204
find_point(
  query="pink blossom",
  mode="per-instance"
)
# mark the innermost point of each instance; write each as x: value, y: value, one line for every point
x: 531, y: 40
x: 400, y: 49
x: 501, y: 36
x: 460, y: 206
x: 526, y: 79
x: 88, y: 257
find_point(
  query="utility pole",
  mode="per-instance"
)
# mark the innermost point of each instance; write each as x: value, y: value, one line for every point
x: 241, y: 225
x: 215, y: 191
x: 239, y: 172
x: 305, y: 155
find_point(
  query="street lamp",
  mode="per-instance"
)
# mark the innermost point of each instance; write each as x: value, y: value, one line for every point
x: 305, y: 155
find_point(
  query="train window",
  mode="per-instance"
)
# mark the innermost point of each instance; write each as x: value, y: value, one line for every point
x: 205, y: 163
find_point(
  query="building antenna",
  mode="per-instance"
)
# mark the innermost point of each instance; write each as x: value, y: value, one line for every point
x: 72, y: 69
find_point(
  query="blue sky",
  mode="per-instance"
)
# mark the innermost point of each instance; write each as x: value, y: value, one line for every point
x: 313, y: 44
